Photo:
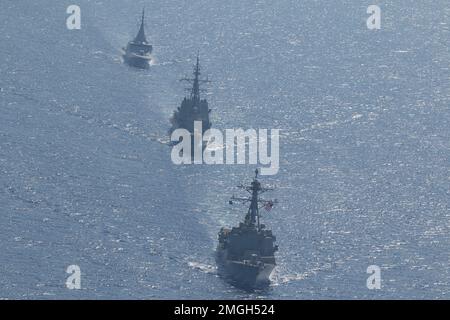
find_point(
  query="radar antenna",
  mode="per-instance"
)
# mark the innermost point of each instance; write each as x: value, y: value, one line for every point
x: 253, y: 216
x: 195, y: 90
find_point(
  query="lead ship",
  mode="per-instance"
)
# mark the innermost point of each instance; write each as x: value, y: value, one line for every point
x: 192, y: 108
x: 245, y: 254
x: 138, y: 51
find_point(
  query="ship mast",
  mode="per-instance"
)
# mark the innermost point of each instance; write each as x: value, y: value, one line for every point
x: 253, y: 217
x: 195, y: 90
x: 253, y: 210
x: 141, y: 38
x: 195, y: 93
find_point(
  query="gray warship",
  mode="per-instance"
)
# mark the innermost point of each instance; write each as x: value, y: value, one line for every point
x: 245, y: 254
x: 138, y: 51
x: 192, y: 108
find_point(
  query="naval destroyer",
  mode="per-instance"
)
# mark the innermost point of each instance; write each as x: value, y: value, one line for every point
x: 138, y: 51
x: 193, y: 108
x: 245, y: 254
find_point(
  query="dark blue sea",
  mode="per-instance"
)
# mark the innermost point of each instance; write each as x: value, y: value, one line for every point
x: 86, y: 177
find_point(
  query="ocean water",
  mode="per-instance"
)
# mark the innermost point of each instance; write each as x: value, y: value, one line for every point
x: 86, y: 178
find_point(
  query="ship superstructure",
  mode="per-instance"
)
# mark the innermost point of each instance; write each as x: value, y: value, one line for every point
x: 245, y: 254
x: 138, y: 51
x: 193, y: 107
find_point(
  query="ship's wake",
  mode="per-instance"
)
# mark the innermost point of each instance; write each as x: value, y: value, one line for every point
x: 278, y: 277
x: 203, y: 267
x: 75, y: 111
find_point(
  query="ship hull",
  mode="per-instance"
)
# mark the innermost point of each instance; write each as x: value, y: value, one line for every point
x: 137, y: 61
x: 245, y: 276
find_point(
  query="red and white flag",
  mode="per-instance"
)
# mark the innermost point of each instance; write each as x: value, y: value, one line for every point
x: 268, y: 205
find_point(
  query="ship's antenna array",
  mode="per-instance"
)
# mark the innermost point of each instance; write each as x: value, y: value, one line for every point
x: 256, y: 203
x: 195, y: 90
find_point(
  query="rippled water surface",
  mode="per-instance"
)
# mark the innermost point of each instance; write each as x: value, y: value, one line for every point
x: 86, y: 178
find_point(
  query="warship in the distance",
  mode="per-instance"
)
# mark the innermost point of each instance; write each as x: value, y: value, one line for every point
x: 192, y: 108
x: 245, y: 254
x: 138, y: 51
